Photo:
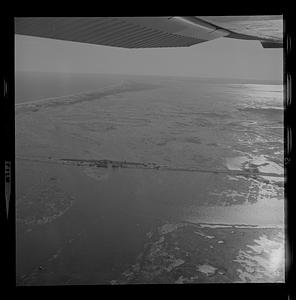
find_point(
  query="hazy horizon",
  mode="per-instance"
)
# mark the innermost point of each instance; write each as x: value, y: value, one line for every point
x: 225, y: 79
x: 221, y: 58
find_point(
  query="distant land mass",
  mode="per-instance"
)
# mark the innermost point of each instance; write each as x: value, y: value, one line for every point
x: 199, y: 78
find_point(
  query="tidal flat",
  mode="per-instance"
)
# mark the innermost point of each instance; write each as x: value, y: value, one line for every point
x: 150, y: 219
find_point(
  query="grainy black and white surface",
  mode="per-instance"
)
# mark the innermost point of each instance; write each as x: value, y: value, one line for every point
x: 151, y: 180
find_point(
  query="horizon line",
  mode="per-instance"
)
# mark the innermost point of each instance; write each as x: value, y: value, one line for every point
x: 278, y: 81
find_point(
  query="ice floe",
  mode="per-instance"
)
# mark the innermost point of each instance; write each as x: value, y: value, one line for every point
x: 204, y: 235
x: 166, y: 228
x: 207, y: 269
x: 183, y: 279
x: 264, y: 262
x: 260, y: 162
x: 235, y: 163
x: 175, y: 263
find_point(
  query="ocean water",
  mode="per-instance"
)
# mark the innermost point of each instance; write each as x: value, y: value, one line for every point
x: 32, y: 86
x: 218, y: 148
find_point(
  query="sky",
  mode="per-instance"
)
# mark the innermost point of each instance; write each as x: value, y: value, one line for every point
x: 222, y: 58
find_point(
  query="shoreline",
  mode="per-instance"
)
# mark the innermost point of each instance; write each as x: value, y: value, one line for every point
x: 106, y: 163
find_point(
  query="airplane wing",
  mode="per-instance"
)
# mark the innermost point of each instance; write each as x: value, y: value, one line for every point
x: 154, y: 32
